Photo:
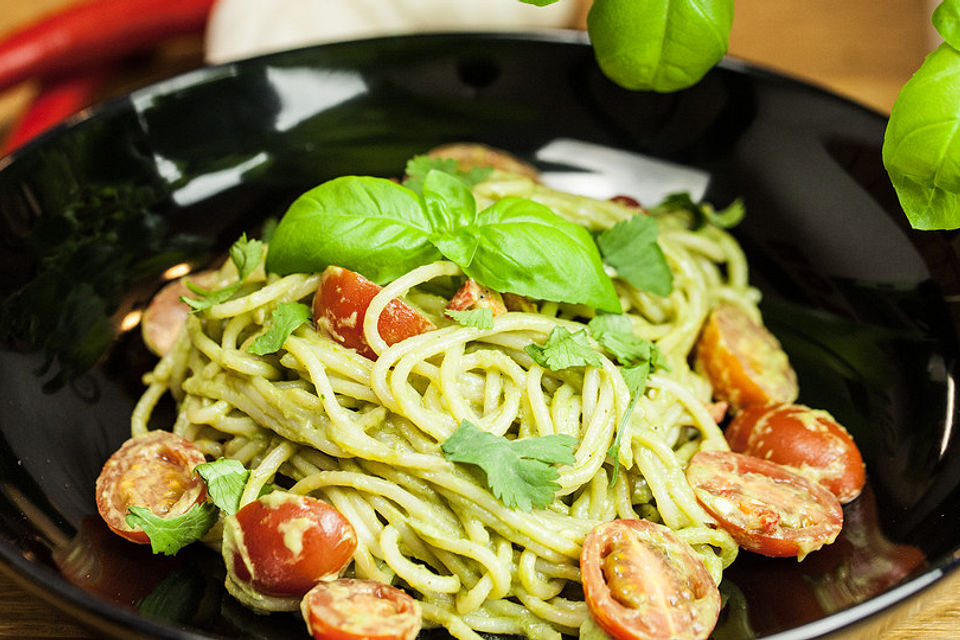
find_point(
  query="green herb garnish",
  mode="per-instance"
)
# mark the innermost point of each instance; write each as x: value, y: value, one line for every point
x: 521, y: 473
x: 246, y: 255
x: 286, y: 317
x: 169, y: 535
x: 225, y: 480
x: 481, y: 318
x: 564, y: 349
x: 630, y: 247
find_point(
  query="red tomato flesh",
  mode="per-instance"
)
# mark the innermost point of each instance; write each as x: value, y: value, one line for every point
x: 810, y: 441
x: 352, y: 609
x: 340, y: 305
x: 642, y: 582
x: 766, y: 507
x: 282, y: 544
x: 744, y: 361
x: 155, y: 471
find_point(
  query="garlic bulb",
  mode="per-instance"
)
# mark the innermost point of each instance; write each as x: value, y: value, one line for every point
x: 243, y: 28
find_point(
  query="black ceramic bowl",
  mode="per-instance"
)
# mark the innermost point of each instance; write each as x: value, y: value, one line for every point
x: 93, y: 213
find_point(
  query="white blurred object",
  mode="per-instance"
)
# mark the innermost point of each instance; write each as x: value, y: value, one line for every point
x: 243, y: 28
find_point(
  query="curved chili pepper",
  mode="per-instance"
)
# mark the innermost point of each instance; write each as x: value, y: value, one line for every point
x: 59, y: 97
x: 95, y: 32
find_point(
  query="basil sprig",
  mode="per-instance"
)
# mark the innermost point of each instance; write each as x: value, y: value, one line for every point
x: 382, y: 230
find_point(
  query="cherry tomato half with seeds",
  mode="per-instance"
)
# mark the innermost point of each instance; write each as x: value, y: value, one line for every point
x: 810, y: 441
x: 642, y: 582
x: 155, y: 471
x: 340, y: 305
x: 282, y: 544
x: 766, y: 507
x: 353, y: 609
x: 743, y: 361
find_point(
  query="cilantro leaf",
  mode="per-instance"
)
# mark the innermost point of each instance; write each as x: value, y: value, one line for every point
x: 630, y: 247
x: 225, y: 480
x: 286, y: 317
x: 638, y: 358
x: 419, y: 166
x: 564, y: 349
x: 481, y: 318
x: 615, y: 334
x: 169, y: 535
x: 246, y: 255
x: 520, y: 473
x: 208, y: 297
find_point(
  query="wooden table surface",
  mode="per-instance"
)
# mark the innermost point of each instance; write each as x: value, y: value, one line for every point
x: 863, y: 49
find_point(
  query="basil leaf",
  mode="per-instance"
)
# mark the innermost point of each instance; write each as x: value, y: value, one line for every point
x: 659, y: 45
x: 225, y: 480
x: 946, y: 20
x: 169, y: 535
x: 369, y: 225
x: 449, y: 202
x: 921, y: 146
x: 523, y: 247
x: 630, y: 247
x: 481, y: 318
x: 286, y: 317
x: 564, y: 349
x: 419, y: 166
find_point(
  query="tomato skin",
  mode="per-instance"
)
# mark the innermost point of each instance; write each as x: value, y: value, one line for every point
x: 155, y: 471
x: 166, y: 314
x: 766, y: 507
x: 340, y: 305
x: 473, y: 295
x: 743, y: 361
x: 353, y: 609
x: 808, y: 440
x: 642, y: 582
x: 282, y: 544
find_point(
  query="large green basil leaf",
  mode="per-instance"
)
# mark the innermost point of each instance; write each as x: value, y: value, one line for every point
x: 946, y: 19
x: 921, y: 147
x: 659, y: 45
x: 523, y: 247
x: 370, y: 225
x: 449, y: 201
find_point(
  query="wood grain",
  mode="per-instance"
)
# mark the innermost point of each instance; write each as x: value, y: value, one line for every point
x: 863, y: 49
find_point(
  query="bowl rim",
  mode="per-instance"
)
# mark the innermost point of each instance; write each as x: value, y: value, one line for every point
x: 48, y: 584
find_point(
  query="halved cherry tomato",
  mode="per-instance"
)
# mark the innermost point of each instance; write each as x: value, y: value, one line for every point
x: 743, y: 360
x: 765, y: 506
x: 282, y: 544
x: 642, y: 582
x: 341, y: 303
x: 473, y: 295
x: 810, y: 441
x: 352, y: 609
x: 155, y: 471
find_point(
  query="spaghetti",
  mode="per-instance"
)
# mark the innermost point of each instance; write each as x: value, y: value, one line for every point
x: 365, y: 436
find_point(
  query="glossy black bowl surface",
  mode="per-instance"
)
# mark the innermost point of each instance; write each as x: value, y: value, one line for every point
x: 92, y: 214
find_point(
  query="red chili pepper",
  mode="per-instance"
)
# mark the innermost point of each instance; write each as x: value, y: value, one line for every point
x: 59, y: 98
x: 95, y: 32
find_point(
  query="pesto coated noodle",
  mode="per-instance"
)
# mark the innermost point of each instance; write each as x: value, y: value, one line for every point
x: 365, y: 436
